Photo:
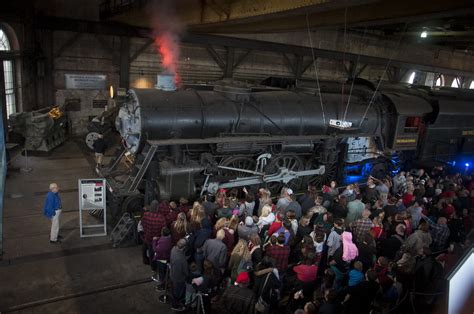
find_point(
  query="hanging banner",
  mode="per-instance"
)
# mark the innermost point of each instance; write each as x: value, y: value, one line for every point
x: 85, y: 81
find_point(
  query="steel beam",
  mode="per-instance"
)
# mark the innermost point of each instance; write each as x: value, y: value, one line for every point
x: 242, y: 58
x: 119, y: 29
x: 307, y: 65
x: 142, y: 49
x: 289, y: 63
x: 364, y: 15
x: 225, y: 41
x: 216, y: 56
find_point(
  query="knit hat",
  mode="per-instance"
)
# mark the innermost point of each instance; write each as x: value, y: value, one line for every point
x: 248, y: 221
x: 243, y: 277
x: 350, y: 251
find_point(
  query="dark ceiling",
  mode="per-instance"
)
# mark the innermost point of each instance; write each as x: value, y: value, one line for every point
x: 454, y: 32
x: 447, y: 22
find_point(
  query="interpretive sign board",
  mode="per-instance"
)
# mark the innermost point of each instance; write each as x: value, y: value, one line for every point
x: 92, y: 197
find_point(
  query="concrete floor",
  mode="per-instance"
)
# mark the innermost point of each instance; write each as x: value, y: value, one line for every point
x: 79, y: 275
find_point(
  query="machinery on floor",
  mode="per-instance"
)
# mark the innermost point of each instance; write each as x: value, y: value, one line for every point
x: 43, y: 129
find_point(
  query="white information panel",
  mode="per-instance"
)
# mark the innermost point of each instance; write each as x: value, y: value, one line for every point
x: 92, y: 194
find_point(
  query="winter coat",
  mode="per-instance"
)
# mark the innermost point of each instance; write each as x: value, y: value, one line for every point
x: 162, y: 248
x: 179, y: 266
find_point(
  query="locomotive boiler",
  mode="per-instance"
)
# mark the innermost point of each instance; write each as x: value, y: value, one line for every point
x: 196, y: 140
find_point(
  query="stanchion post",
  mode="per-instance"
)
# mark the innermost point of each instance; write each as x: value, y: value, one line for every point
x: 26, y: 168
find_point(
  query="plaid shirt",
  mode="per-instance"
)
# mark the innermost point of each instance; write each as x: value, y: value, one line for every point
x: 439, y: 234
x: 360, y: 227
x: 280, y: 254
x: 152, y: 224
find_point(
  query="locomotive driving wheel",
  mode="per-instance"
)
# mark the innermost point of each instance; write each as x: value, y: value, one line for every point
x: 319, y: 180
x: 239, y: 162
x: 133, y: 205
x: 292, y: 163
x: 91, y: 137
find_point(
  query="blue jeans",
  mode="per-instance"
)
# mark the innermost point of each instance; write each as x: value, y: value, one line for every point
x: 161, y: 271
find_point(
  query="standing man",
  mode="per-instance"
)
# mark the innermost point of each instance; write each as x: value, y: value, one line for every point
x: 99, y: 148
x: 52, y: 210
x: 239, y: 299
x: 178, y: 274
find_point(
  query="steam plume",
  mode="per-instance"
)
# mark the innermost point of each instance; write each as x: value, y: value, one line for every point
x: 167, y: 30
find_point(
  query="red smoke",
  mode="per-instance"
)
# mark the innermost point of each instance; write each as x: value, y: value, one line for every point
x: 167, y: 29
x: 168, y: 48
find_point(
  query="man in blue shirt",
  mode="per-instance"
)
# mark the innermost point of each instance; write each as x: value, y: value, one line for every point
x: 52, y: 211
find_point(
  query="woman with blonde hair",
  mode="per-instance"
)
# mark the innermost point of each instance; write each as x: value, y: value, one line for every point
x: 196, y: 216
x: 264, y: 199
x: 229, y: 239
x: 234, y: 223
x: 266, y: 218
x: 179, y: 228
x: 221, y: 223
x: 240, y: 259
x: 193, y: 211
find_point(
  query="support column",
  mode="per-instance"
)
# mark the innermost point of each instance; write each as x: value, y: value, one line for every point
x: 229, y: 64
x: 3, y: 161
x: 49, y: 68
x: 124, y: 62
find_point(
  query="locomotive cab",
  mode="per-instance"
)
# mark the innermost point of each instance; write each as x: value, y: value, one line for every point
x: 407, y: 120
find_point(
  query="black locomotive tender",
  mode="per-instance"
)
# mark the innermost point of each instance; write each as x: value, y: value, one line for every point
x: 196, y: 140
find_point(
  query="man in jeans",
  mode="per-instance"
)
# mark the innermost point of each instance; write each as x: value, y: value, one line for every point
x: 99, y: 148
x: 178, y: 273
x: 52, y: 211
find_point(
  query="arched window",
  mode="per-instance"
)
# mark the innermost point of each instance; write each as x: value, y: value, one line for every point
x: 440, y: 80
x: 455, y: 83
x: 8, y: 76
x: 411, y: 78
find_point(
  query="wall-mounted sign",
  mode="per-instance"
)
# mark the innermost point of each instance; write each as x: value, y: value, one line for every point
x: 85, y: 81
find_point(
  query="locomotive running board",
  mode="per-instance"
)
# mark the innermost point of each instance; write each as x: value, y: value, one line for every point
x: 283, y: 175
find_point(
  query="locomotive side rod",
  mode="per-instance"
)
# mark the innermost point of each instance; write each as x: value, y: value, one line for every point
x: 242, y: 170
x: 283, y: 175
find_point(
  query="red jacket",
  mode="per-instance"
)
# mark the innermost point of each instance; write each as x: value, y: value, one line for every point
x: 407, y: 199
x: 306, y: 273
x: 274, y: 227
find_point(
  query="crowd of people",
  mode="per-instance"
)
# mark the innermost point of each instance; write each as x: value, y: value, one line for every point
x: 384, y: 246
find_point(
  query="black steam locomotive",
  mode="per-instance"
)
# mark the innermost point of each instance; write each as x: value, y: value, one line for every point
x: 196, y: 140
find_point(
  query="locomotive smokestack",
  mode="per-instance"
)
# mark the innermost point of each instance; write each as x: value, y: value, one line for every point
x: 167, y: 30
x: 166, y: 82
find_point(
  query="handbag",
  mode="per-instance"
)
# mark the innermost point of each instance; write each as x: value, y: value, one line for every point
x: 261, y: 306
